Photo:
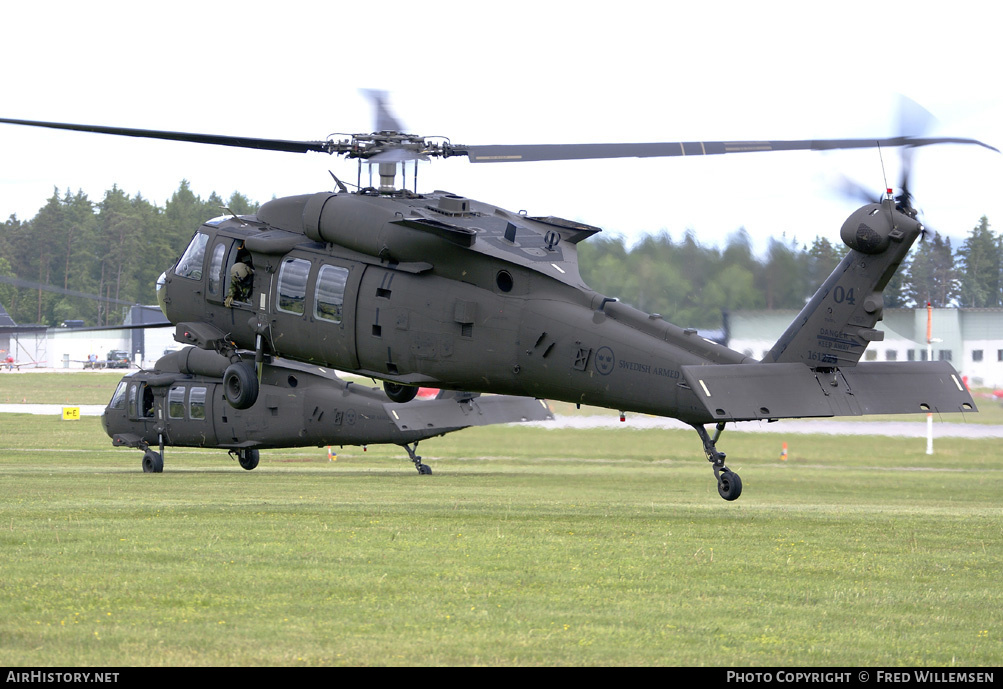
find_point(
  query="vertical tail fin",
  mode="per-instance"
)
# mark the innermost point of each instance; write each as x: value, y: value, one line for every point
x: 836, y: 325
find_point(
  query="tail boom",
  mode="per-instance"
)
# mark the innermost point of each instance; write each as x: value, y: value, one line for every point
x: 813, y: 370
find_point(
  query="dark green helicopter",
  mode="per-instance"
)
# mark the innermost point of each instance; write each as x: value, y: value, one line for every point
x: 178, y: 402
x: 435, y: 289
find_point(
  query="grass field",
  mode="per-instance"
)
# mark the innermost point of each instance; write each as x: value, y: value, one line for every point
x: 526, y: 547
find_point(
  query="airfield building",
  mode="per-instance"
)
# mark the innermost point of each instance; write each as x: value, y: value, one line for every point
x: 971, y: 339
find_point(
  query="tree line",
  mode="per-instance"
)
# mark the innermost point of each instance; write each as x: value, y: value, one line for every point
x: 87, y: 260
x: 74, y: 249
x: 691, y: 284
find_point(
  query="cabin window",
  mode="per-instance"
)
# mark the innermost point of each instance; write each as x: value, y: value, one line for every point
x: 133, y: 409
x: 190, y: 264
x: 196, y: 403
x: 176, y: 403
x: 216, y: 269
x: 329, y: 297
x: 292, y: 285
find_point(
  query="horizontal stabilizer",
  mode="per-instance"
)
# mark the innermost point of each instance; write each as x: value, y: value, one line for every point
x: 748, y: 392
x: 744, y: 392
x: 908, y: 386
x: 479, y: 411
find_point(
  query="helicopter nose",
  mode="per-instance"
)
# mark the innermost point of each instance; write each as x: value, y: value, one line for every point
x: 162, y: 293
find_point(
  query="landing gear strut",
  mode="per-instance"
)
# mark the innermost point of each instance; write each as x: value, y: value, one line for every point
x: 729, y: 485
x: 422, y: 468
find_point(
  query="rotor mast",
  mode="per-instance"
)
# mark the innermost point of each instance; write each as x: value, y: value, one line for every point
x: 385, y: 149
x: 388, y: 176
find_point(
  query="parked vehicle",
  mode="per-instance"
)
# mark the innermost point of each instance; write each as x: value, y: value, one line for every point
x: 118, y: 358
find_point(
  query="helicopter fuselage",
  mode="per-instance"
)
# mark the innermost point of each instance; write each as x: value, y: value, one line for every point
x: 442, y: 291
x: 434, y: 290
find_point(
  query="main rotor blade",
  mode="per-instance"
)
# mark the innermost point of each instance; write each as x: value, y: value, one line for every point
x: 537, y: 152
x: 385, y: 120
x: 515, y: 153
x: 28, y: 284
x: 219, y: 140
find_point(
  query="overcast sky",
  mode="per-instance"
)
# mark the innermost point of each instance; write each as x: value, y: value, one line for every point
x: 514, y: 72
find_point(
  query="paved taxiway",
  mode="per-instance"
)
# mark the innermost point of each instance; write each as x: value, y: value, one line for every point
x: 906, y: 429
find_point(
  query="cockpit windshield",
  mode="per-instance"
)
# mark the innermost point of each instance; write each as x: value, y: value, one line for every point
x: 118, y: 399
x: 190, y: 264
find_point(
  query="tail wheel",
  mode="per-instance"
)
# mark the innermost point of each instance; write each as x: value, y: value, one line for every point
x: 729, y: 485
x: 240, y: 385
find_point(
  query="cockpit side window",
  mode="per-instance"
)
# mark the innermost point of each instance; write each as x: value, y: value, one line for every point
x: 216, y: 269
x: 140, y: 400
x: 147, y: 402
x: 133, y: 410
x: 190, y: 264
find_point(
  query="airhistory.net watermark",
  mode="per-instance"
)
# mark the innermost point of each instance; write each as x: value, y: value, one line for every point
x: 48, y: 677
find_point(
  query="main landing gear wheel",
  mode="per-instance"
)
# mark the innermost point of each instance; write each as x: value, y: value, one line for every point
x: 399, y: 393
x: 729, y: 485
x: 248, y: 458
x: 153, y: 462
x: 240, y: 385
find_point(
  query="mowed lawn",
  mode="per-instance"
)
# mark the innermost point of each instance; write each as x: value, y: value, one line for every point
x: 527, y: 546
